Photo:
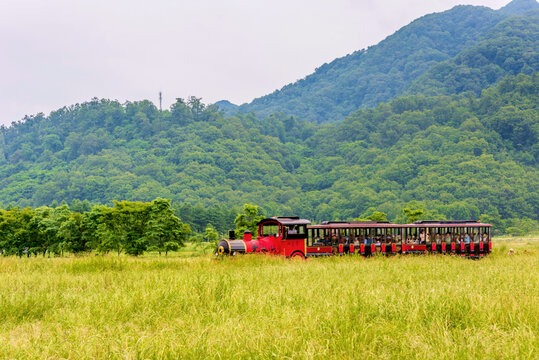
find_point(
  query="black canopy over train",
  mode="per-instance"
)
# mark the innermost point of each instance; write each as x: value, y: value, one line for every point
x: 295, y: 237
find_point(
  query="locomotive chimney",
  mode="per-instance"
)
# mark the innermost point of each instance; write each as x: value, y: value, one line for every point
x: 247, y: 235
x: 232, y: 235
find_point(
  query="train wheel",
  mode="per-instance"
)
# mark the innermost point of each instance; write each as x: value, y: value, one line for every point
x: 297, y: 255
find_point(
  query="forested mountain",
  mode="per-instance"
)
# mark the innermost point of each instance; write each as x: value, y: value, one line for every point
x: 419, y: 57
x: 510, y: 48
x: 519, y: 6
x: 457, y: 156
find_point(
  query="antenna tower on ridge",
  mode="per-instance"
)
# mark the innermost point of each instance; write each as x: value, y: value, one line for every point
x: 160, y: 101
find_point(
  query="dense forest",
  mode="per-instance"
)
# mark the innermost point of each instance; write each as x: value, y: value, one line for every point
x: 467, y: 48
x: 458, y: 157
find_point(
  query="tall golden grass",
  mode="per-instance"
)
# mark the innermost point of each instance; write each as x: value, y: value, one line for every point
x: 413, y: 307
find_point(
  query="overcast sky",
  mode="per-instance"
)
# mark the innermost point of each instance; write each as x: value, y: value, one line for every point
x: 60, y: 52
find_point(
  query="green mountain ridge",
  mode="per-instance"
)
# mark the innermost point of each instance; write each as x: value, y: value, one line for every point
x: 394, y: 66
x: 519, y: 6
x: 510, y: 48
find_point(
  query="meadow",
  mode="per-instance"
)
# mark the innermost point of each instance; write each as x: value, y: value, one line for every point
x: 191, y: 305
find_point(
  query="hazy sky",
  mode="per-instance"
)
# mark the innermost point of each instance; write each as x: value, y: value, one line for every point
x: 61, y: 52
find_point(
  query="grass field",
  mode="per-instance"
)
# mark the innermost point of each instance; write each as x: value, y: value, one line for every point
x: 269, y: 307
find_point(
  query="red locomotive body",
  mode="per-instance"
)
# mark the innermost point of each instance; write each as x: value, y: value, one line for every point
x: 278, y: 235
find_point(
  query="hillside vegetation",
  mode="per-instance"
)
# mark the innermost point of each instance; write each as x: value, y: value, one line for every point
x: 458, y: 157
x: 510, y: 48
x: 467, y: 48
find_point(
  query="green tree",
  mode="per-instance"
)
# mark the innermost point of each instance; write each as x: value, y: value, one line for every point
x: 210, y: 234
x: 164, y: 230
x: 247, y: 220
x: 71, y: 232
x: 412, y: 215
x: 374, y: 215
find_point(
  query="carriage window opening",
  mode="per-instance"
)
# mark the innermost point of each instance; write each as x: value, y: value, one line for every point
x: 398, y: 235
x: 422, y: 236
x: 484, y: 234
x: 270, y: 230
x: 447, y: 235
x: 467, y: 236
x: 475, y: 234
x: 454, y: 234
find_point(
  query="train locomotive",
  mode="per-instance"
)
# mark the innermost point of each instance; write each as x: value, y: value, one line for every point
x: 277, y: 235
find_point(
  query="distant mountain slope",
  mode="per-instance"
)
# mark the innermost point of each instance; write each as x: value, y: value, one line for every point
x: 226, y: 106
x: 519, y: 6
x: 384, y: 71
x: 510, y: 48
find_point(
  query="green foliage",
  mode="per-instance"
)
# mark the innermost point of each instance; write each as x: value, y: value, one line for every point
x: 164, y: 231
x: 128, y: 226
x: 412, y: 215
x: 247, y: 220
x: 374, y: 216
x: 507, y: 49
x: 211, y: 235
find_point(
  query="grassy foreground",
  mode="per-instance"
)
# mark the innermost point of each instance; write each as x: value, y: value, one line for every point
x: 269, y: 307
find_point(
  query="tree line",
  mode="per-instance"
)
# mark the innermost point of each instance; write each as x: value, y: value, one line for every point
x: 131, y: 227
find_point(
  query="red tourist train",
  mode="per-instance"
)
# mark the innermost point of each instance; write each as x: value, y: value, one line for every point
x: 295, y: 237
